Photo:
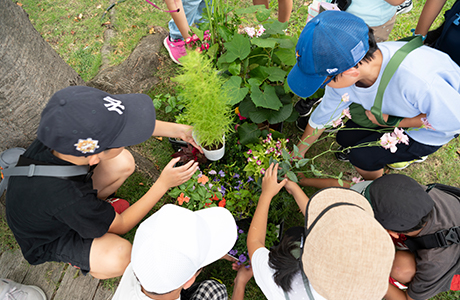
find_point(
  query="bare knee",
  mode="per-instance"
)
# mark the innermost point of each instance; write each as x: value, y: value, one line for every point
x: 109, y: 256
x: 404, y: 267
x: 127, y: 163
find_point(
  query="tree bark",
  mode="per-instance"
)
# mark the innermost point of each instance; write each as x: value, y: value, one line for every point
x: 30, y: 72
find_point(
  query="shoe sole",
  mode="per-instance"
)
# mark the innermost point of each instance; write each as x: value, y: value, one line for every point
x: 311, y: 109
x: 415, y: 161
x: 405, y: 9
x: 298, y: 127
x: 165, y: 43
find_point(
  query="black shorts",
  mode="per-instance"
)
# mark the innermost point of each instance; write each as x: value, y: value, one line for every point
x: 73, y: 249
x: 375, y: 158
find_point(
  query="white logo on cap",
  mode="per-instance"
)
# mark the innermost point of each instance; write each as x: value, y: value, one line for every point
x: 86, y: 146
x: 330, y: 71
x: 114, y: 105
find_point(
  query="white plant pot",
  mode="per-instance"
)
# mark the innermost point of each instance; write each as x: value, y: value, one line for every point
x: 211, y: 154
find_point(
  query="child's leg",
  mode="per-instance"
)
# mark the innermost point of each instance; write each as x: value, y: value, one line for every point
x: 260, y: 2
x: 404, y: 267
x: 284, y: 10
x: 179, y: 27
x: 109, y: 256
x: 110, y: 174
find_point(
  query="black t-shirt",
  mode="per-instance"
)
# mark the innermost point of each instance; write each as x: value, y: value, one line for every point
x: 41, y: 210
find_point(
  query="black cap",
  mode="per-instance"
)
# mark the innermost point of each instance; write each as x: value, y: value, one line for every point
x: 81, y: 120
x: 399, y: 202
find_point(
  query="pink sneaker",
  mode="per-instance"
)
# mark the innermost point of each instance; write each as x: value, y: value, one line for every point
x: 176, y: 49
x: 119, y: 205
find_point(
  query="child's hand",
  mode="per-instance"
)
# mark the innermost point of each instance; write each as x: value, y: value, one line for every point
x: 290, y: 186
x: 372, y: 118
x: 270, y: 185
x: 171, y: 177
x: 244, y: 273
x: 186, y: 135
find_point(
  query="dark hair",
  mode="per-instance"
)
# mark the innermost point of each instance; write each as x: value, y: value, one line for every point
x: 284, y: 263
x: 419, y: 226
x: 370, y: 53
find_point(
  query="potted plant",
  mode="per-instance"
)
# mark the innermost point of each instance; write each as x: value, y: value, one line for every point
x: 206, y: 103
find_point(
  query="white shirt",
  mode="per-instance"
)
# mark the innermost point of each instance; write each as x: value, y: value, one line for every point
x: 263, y: 275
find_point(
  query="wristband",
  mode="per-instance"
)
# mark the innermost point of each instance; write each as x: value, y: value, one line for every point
x: 418, y: 34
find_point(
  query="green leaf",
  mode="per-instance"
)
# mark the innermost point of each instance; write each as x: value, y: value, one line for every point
x: 239, y: 47
x: 272, y: 116
x: 234, y: 68
x: 276, y: 74
x: 340, y: 181
x: 267, y: 98
x: 224, y: 32
x: 275, y: 27
x: 258, y: 73
x: 264, y: 43
x: 285, y: 43
x: 254, y: 82
x: 263, y: 14
x: 248, y: 133
x: 285, y: 155
x: 248, y: 10
x: 168, y: 109
x: 212, y: 51
x: 291, y: 175
x: 303, y: 161
x: 236, y: 93
x: 296, y: 150
x: 315, y: 171
x: 198, y: 32
x: 287, y: 56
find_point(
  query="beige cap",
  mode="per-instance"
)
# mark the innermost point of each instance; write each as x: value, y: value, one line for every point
x: 347, y: 254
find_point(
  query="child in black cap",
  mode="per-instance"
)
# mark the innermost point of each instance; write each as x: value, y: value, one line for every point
x: 67, y: 219
x: 408, y: 211
x: 406, y: 208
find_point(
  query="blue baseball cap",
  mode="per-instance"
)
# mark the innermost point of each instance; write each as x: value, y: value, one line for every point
x: 331, y: 43
x: 81, y: 120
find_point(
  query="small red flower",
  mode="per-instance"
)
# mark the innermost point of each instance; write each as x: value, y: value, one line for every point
x: 222, y: 203
x: 181, y: 199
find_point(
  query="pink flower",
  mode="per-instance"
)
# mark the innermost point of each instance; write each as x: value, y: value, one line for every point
x: 287, y: 140
x: 345, y: 98
x: 188, y: 40
x: 236, y: 126
x: 337, y: 123
x: 262, y: 171
x: 400, y: 136
x: 426, y: 124
x: 357, y: 180
x: 249, y: 151
x: 195, y: 38
x: 249, y: 159
x: 346, y: 113
x: 258, y: 162
x: 250, y: 31
x: 389, y: 141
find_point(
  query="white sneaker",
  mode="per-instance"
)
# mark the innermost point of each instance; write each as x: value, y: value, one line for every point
x: 16, y: 291
x: 404, y: 7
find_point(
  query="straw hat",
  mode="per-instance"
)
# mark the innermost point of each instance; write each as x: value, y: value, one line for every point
x: 347, y: 254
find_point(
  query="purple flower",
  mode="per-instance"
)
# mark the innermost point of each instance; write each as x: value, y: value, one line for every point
x: 233, y: 252
x: 240, y: 231
x: 222, y: 173
x: 236, y: 175
x: 212, y: 172
x: 250, y: 179
x: 222, y: 189
x: 215, y: 179
x: 242, y: 258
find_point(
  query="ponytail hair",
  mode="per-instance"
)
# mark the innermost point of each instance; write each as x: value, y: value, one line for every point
x: 284, y: 263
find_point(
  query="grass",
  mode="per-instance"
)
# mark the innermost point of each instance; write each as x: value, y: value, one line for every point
x: 75, y: 30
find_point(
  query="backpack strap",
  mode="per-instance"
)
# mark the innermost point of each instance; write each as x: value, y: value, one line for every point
x: 388, y: 73
x: 50, y: 171
x: 440, y: 239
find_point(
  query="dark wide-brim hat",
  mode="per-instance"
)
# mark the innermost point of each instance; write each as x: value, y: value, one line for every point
x: 81, y: 120
x: 399, y: 202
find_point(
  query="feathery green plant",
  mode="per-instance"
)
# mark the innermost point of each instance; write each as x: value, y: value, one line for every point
x: 206, y: 101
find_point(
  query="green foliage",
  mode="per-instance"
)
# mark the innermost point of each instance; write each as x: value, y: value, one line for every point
x: 7, y: 240
x: 205, y: 99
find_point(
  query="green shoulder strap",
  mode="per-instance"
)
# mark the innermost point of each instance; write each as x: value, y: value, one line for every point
x: 390, y: 69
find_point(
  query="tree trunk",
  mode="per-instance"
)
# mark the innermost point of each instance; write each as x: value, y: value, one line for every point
x: 30, y: 72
